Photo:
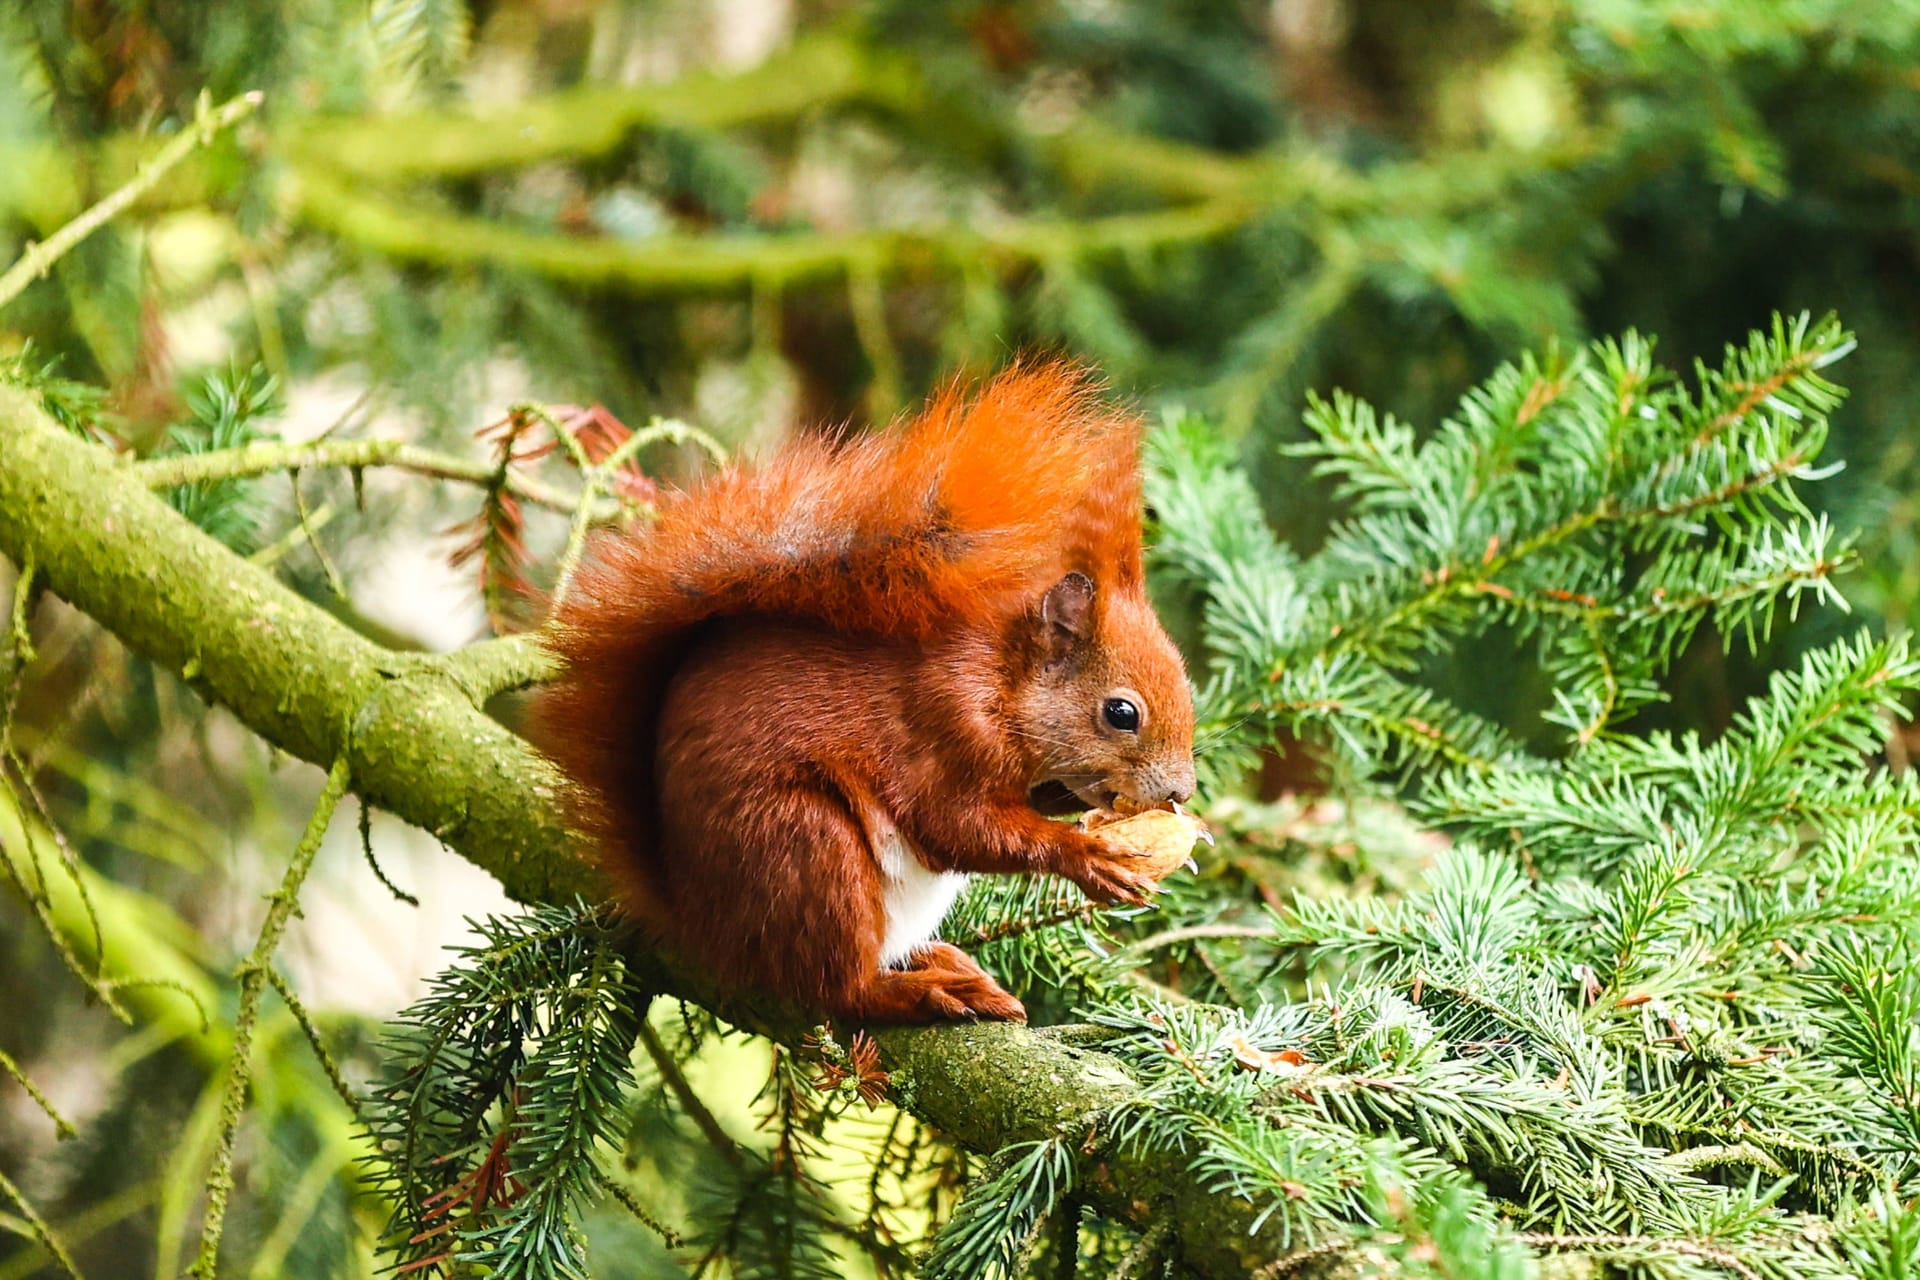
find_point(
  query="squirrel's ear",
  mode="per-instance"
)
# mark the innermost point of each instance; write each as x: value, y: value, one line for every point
x: 1066, y: 614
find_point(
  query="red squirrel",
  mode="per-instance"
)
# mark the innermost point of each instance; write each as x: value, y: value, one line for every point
x: 813, y: 696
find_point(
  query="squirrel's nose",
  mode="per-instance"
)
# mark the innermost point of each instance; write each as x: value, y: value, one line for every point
x: 1180, y: 792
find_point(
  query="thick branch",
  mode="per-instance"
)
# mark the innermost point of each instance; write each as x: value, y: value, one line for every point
x: 417, y: 744
x: 818, y: 71
x: 590, y: 120
x: 301, y: 679
x: 713, y: 263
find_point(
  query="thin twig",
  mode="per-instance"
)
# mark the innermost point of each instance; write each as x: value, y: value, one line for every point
x: 265, y: 456
x: 1195, y: 933
x: 593, y: 484
x: 20, y: 1077
x: 312, y: 1032
x: 38, y: 898
x: 16, y: 655
x: 497, y: 665
x: 669, y: 431
x: 39, y: 807
x: 1155, y: 990
x: 179, y: 988
x: 16, y: 647
x: 83, y: 1226
x: 334, y: 581
x: 366, y: 847
x: 597, y: 480
x: 254, y: 974
x: 1592, y: 610
x: 1027, y: 924
x: 561, y: 436
x: 1293, y: 1263
x: 275, y: 551
x: 668, y: 1236
x: 1411, y: 728
x: 207, y: 122
x: 37, y: 1225
x: 676, y: 1082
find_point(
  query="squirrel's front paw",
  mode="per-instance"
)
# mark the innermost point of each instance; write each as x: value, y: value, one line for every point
x: 1129, y: 856
x: 1114, y: 875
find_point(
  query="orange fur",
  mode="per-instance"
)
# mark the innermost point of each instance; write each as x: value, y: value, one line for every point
x: 878, y: 606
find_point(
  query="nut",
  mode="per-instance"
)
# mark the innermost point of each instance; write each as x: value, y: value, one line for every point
x: 1163, y: 839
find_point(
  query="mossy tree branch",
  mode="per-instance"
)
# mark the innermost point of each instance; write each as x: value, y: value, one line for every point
x: 340, y: 164
x: 591, y: 120
x: 343, y: 174
x: 717, y: 263
x: 264, y: 456
x: 301, y: 679
x: 819, y: 71
x: 414, y: 741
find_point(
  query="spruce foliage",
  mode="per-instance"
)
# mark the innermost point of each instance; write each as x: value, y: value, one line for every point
x: 501, y: 1097
x: 1637, y: 996
x: 223, y: 414
x: 1653, y: 1000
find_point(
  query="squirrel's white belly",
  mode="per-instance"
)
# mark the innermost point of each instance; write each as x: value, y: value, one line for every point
x: 916, y: 899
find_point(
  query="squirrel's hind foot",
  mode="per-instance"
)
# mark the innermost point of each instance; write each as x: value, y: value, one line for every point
x: 944, y: 986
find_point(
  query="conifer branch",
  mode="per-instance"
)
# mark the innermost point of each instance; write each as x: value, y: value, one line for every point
x: 299, y: 678
x: 1627, y: 1247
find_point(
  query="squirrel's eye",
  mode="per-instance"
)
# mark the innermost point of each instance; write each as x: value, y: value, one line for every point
x: 1121, y: 714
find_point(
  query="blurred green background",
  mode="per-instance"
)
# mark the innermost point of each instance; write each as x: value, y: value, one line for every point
x: 761, y: 216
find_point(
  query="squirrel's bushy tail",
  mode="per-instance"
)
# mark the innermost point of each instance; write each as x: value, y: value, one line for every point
x: 960, y: 518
